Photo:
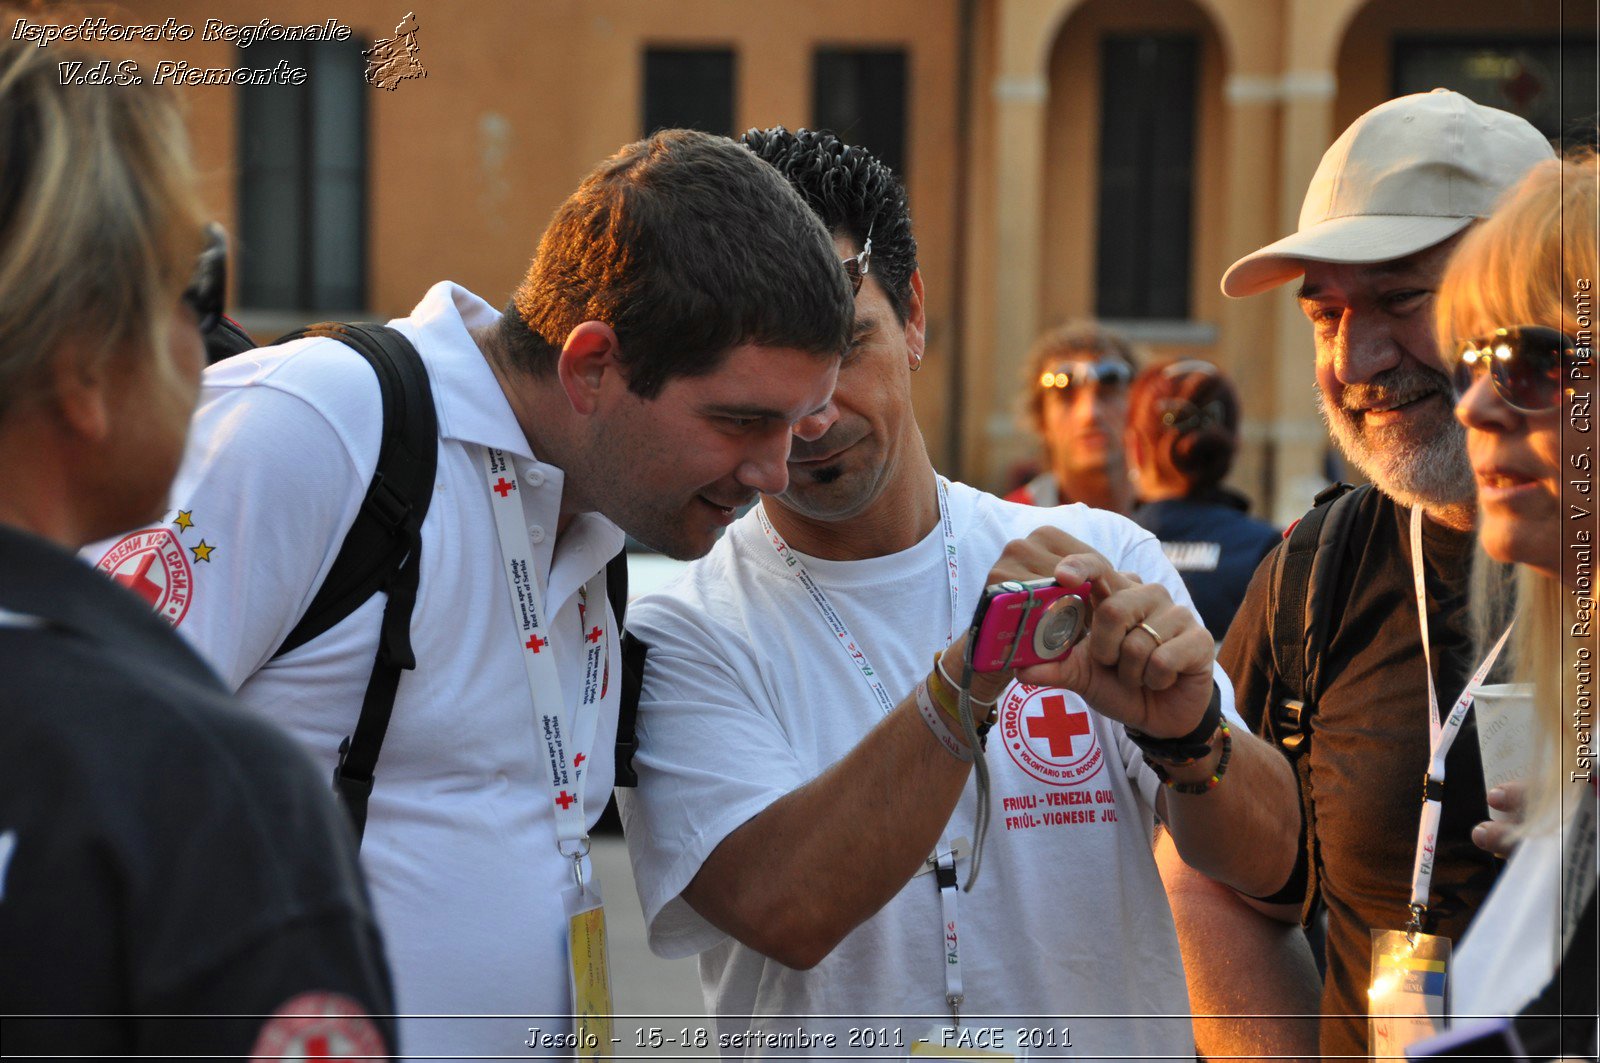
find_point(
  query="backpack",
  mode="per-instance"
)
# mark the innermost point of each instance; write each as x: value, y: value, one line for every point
x: 383, y: 548
x: 1303, y: 602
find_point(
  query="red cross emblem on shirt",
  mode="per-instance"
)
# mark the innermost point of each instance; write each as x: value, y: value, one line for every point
x: 139, y: 580
x: 594, y: 635
x: 577, y: 761
x: 534, y: 643
x: 1058, y: 726
x: 503, y: 488
x: 566, y: 800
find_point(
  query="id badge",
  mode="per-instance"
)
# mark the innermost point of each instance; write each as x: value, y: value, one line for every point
x: 976, y: 1044
x: 1405, y: 1002
x: 589, y: 972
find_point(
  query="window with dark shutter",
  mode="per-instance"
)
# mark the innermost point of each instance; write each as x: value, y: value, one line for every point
x: 1147, y: 125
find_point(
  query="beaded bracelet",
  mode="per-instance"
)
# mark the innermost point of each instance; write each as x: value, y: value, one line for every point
x: 1207, y: 785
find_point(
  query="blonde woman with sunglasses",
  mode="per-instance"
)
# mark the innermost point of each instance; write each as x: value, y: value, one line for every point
x: 1514, y: 316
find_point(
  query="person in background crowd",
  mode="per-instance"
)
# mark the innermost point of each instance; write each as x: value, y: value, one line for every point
x: 1384, y: 211
x: 1183, y: 430
x: 1076, y: 401
x: 176, y: 880
x: 1515, y: 316
x: 680, y: 323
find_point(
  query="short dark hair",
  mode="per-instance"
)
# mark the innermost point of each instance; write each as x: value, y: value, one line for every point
x: 687, y: 247
x: 853, y: 193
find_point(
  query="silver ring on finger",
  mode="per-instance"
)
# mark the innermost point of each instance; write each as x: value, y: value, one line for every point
x: 1152, y: 632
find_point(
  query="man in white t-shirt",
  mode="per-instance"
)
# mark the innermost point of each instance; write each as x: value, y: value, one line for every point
x: 806, y: 812
x: 681, y: 321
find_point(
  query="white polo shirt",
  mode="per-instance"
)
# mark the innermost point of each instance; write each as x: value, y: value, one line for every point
x: 460, y: 847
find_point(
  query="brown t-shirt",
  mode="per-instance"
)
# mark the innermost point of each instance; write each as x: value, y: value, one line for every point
x: 1369, y: 747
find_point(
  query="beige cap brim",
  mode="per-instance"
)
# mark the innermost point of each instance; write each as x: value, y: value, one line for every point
x: 1359, y: 239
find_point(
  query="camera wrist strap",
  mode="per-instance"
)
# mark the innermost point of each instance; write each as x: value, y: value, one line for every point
x: 942, y: 860
x: 1441, y: 735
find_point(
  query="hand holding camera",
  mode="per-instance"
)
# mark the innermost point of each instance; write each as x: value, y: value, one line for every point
x: 1058, y: 614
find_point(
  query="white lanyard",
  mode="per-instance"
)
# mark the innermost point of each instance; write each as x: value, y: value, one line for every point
x: 943, y: 858
x: 1441, y: 736
x: 565, y: 775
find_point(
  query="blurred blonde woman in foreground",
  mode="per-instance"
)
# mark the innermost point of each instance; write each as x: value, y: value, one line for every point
x: 1514, y: 317
x: 177, y: 881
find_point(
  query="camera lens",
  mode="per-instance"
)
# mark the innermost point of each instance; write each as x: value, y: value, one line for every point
x: 1059, y: 628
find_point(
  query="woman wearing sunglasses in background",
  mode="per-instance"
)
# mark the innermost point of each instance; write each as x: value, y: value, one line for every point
x: 1513, y: 308
x: 176, y: 877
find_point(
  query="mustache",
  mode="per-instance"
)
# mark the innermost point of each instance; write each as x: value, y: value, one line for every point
x: 1395, y: 387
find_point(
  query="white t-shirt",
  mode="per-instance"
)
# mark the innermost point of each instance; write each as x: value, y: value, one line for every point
x: 460, y: 846
x: 748, y: 696
x: 1515, y: 942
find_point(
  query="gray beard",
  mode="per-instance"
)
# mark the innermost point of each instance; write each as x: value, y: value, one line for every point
x: 1425, y: 465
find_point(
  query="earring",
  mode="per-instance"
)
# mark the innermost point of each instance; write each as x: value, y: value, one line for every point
x: 916, y: 362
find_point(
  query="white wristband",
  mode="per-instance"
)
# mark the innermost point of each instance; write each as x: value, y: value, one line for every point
x: 939, y: 723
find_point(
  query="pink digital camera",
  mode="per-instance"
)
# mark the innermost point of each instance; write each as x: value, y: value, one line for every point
x: 1020, y: 623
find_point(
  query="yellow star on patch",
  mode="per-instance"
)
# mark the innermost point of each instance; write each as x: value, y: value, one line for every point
x: 202, y: 552
x: 185, y: 519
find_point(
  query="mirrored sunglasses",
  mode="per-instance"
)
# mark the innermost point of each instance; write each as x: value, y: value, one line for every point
x: 209, y: 286
x: 1106, y: 373
x: 1524, y: 364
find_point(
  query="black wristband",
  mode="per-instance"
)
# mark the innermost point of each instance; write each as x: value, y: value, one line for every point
x: 1185, y: 749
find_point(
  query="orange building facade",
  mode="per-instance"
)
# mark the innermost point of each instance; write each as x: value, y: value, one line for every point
x: 1064, y: 158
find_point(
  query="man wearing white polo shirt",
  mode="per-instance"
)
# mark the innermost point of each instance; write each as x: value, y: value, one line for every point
x: 681, y: 320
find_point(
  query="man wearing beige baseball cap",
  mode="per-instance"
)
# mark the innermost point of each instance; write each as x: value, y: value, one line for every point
x: 1344, y: 684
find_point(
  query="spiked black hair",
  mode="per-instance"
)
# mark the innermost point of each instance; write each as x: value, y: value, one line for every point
x: 853, y: 193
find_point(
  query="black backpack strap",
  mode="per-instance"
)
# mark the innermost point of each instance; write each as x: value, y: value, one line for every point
x: 1301, y: 600
x: 1303, y: 603
x: 383, y: 548
x: 633, y: 655
x: 226, y: 339
x: 617, y: 586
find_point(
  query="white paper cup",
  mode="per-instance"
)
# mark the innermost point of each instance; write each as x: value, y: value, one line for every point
x: 1505, y: 734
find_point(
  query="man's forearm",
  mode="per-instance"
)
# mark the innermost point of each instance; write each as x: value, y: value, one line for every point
x: 816, y: 863
x: 1253, y: 984
x: 1246, y: 831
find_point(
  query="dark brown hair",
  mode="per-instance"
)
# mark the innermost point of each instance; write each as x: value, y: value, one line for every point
x: 1187, y: 415
x: 688, y: 246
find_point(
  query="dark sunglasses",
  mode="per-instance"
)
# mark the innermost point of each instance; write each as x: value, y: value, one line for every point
x: 856, y: 266
x: 1523, y: 362
x: 1106, y: 373
x: 209, y: 286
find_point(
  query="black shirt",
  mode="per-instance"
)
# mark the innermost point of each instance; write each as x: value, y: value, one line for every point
x: 1369, y: 747
x: 163, y: 856
x: 1214, y: 545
